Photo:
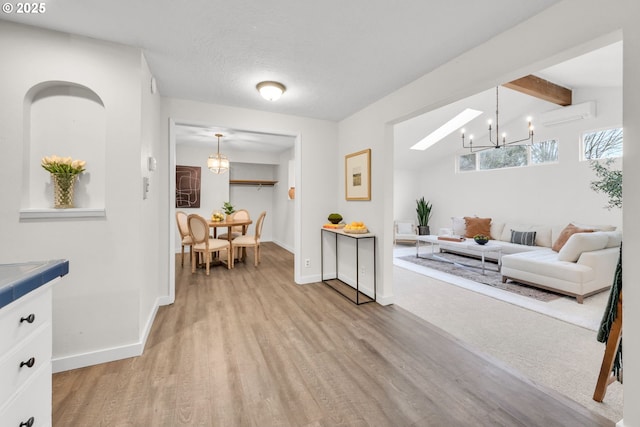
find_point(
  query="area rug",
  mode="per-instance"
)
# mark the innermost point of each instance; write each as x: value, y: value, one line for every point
x: 471, y: 269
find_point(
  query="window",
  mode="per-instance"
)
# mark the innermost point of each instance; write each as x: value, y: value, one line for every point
x: 510, y: 156
x: 505, y: 157
x: 602, y: 144
x: 544, y: 152
x: 467, y: 162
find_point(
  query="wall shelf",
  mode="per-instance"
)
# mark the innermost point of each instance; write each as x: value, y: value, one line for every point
x: 53, y: 214
x: 252, y: 182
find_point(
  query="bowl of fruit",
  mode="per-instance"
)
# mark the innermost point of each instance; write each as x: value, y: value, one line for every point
x: 217, y: 216
x: 356, y: 227
x: 481, y: 239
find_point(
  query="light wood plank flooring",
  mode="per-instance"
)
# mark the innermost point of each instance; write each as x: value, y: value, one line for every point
x: 249, y: 347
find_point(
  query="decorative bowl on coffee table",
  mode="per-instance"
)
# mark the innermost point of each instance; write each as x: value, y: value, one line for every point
x: 481, y: 239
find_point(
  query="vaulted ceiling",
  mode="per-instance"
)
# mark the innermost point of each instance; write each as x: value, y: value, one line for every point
x: 599, y: 68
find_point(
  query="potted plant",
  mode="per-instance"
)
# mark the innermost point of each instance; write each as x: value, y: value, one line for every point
x: 228, y: 209
x: 423, y: 210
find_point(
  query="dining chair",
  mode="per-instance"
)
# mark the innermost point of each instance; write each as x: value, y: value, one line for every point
x: 248, y: 241
x: 203, y: 244
x: 183, y: 228
x: 236, y: 230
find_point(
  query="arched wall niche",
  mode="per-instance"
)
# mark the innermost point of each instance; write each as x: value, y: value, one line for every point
x: 68, y: 120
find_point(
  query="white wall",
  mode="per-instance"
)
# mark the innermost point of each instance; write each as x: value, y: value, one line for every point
x: 631, y: 197
x: 104, y: 304
x: 253, y: 198
x: 547, y: 38
x: 283, y: 218
x: 152, y: 246
x: 553, y: 194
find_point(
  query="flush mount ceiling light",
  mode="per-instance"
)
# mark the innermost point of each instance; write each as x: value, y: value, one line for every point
x: 500, y: 141
x: 218, y: 163
x: 271, y: 91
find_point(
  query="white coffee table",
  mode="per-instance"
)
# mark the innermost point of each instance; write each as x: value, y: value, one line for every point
x: 466, y: 244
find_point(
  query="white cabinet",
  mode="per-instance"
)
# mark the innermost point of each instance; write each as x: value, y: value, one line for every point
x: 25, y: 360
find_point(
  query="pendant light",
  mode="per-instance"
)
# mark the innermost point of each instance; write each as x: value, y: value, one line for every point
x: 500, y: 141
x: 218, y: 163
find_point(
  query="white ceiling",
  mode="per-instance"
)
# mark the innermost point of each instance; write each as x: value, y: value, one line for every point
x: 335, y: 56
x: 599, y: 68
x: 233, y: 140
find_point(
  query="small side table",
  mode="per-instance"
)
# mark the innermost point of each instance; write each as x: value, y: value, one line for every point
x: 360, y: 297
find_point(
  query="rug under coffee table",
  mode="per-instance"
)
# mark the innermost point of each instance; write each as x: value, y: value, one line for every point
x: 465, y: 244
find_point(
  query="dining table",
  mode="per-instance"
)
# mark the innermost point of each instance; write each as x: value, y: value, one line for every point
x: 229, y: 224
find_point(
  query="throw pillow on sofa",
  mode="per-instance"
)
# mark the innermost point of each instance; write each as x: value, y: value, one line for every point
x: 459, y: 226
x: 566, y: 233
x: 477, y: 226
x: 527, y: 238
x: 582, y: 242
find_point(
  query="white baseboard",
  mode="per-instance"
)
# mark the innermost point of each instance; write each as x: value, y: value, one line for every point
x: 385, y: 300
x: 284, y: 246
x: 76, y: 361
x: 620, y: 423
x: 305, y: 280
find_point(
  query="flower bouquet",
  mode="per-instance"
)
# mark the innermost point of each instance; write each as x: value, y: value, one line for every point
x: 64, y: 172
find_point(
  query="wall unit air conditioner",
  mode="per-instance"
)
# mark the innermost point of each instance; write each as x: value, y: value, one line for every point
x: 568, y: 114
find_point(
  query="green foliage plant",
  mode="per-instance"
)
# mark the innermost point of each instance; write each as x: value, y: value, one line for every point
x: 334, y: 218
x: 609, y: 182
x: 228, y: 208
x: 423, y: 209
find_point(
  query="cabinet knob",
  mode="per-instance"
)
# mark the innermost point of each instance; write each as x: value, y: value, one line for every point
x: 29, y: 363
x: 28, y: 423
x: 29, y: 319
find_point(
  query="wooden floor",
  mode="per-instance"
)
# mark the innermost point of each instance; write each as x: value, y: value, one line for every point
x: 249, y: 347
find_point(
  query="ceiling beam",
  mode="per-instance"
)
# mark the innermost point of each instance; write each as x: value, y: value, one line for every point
x: 541, y: 88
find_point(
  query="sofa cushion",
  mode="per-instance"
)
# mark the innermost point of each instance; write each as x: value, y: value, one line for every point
x: 566, y: 233
x: 595, y: 227
x: 582, y: 242
x: 615, y: 238
x: 506, y: 231
x: 459, y: 226
x: 543, y: 235
x: 545, y: 263
x: 496, y: 229
x: 477, y: 226
x: 527, y: 238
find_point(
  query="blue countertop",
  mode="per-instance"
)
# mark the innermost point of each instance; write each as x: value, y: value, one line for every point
x: 17, y: 280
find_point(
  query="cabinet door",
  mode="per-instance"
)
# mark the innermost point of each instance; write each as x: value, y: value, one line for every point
x: 32, y: 401
x: 24, y: 317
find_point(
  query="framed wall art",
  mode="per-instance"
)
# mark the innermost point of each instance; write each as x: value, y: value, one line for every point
x: 187, y: 186
x: 357, y: 175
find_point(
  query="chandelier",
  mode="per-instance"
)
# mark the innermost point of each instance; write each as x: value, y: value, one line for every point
x: 497, y: 141
x: 218, y: 163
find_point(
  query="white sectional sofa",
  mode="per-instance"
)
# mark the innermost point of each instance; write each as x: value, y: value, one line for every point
x: 585, y: 265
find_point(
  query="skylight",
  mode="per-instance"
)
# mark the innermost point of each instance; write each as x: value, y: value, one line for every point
x: 443, y: 131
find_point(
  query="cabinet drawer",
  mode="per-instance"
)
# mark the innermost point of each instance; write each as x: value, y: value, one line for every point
x: 34, y: 351
x: 23, y: 317
x: 34, y: 400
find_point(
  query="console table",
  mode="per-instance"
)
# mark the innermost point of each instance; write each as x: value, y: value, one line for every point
x: 360, y: 297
